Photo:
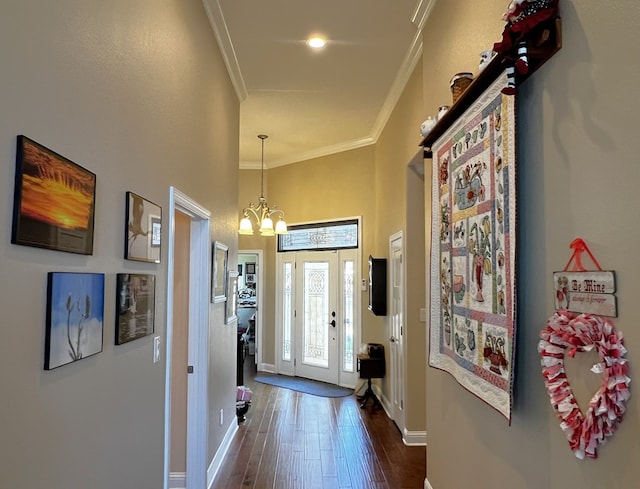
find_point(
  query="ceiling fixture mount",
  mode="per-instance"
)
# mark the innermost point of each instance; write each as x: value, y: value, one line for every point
x: 261, y: 213
x: 316, y: 42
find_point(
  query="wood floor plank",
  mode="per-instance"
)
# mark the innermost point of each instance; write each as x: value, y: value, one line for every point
x: 291, y: 440
x: 312, y: 474
x: 329, y: 467
x: 330, y: 483
x: 344, y: 480
x: 311, y: 446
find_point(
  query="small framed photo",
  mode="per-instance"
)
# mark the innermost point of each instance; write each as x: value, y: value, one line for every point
x: 232, y: 297
x: 53, y: 202
x: 250, y: 278
x: 251, y: 268
x: 143, y: 234
x: 135, y: 306
x: 219, y: 272
x: 75, y: 317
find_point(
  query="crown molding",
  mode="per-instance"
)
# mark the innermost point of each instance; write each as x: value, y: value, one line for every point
x: 219, y: 27
x: 308, y: 155
x: 410, y: 61
x: 421, y: 14
x: 414, y: 53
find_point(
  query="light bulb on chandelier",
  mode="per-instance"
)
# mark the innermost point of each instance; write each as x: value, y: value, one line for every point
x: 262, y: 214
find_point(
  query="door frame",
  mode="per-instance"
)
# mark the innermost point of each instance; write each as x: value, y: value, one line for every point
x: 260, y: 272
x: 285, y: 367
x: 397, y: 368
x: 199, y: 283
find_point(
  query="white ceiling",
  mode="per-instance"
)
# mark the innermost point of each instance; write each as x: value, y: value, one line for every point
x: 314, y: 103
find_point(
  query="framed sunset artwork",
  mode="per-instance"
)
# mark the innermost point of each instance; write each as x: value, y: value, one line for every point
x: 54, y: 200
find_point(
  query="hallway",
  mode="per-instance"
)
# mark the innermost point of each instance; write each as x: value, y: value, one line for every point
x: 292, y: 440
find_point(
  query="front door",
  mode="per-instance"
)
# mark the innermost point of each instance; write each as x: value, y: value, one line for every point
x: 316, y: 316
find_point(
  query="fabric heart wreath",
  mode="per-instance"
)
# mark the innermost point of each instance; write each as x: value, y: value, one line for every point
x: 578, y: 333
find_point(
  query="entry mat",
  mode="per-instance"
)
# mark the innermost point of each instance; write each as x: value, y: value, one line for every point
x: 320, y: 389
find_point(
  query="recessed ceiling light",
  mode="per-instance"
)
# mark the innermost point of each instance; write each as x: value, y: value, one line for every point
x: 316, y: 42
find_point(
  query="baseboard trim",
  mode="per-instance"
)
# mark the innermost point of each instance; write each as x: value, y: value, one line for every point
x: 216, y: 463
x: 386, y: 405
x: 414, y: 438
x: 267, y: 367
x: 427, y: 485
x: 177, y: 480
x: 409, y: 438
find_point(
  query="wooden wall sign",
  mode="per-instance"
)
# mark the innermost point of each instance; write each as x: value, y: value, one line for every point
x: 586, y: 292
x: 580, y: 290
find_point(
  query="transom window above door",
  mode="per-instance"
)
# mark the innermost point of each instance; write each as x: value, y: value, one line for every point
x: 333, y: 235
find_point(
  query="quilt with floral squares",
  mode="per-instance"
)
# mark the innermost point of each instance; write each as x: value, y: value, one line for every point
x: 473, y: 241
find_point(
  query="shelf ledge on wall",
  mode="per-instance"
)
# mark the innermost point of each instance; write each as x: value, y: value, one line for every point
x: 542, y: 43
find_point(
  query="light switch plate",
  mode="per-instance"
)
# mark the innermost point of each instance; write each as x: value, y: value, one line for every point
x: 156, y: 349
x: 423, y: 315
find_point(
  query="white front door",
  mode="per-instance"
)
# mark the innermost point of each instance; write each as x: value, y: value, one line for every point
x: 317, y: 315
x: 396, y: 337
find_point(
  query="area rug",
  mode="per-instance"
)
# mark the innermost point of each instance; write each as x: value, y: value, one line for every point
x: 320, y: 389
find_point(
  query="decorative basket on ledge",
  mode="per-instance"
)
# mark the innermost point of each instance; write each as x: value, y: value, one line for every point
x: 459, y: 84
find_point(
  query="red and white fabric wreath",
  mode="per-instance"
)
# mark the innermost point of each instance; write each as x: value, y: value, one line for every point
x: 577, y: 333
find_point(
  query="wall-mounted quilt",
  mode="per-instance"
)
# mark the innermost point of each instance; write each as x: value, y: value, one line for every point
x: 472, y: 332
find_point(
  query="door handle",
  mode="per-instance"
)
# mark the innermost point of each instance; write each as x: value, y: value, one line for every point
x: 333, y: 323
x: 392, y: 339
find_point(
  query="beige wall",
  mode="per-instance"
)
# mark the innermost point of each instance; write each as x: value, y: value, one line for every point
x: 396, y: 208
x: 416, y: 330
x: 135, y: 91
x: 577, y: 174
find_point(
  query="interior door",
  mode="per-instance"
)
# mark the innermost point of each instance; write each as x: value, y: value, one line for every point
x: 396, y: 338
x: 316, y: 316
x: 187, y: 331
x: 180, y: 342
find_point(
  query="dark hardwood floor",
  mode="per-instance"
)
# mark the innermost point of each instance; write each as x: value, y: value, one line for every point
x: 291, y: 440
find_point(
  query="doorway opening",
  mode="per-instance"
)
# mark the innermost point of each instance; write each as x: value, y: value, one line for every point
x: 187, y: 328
x: 318, y: 302
x: 250, y: 280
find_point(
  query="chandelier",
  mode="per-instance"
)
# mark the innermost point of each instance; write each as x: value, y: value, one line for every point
x: 261, y: 213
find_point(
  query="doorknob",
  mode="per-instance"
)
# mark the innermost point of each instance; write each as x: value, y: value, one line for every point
x: 333, y: 323
x: 392, y: 339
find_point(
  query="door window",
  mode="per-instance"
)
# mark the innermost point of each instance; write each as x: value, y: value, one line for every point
x: 316, y: 314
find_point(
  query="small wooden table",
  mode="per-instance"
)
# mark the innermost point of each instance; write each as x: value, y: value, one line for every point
x: 370, y: 368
